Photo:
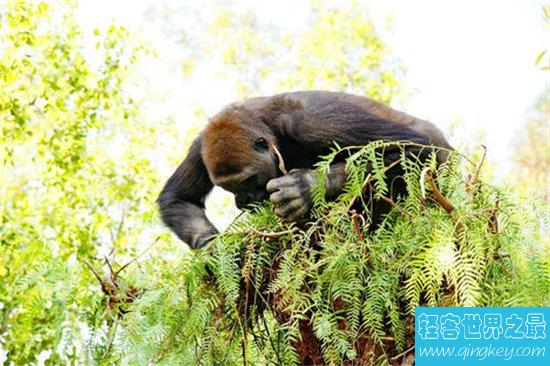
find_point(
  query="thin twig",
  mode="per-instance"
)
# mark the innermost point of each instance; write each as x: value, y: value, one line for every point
x: 112, y: 339
x: 478, y: 169
x: 276, y: 350
x: 395, y: 358
x: 112, y: 272
x: 356, y: 219
x: 92, y: 269
x: 236, y: 218
x: 367, y: 181
x: 281, y: 160
x: 276, y: 235
x: 107, y: 288
x: 114, y: 237
x: 243, y: 340
x: 392, y: 203
x: 473, y: 183
x: 441, y: 200
x: 138, y: 256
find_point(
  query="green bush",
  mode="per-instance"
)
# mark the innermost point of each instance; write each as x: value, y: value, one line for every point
x: 333, y: 291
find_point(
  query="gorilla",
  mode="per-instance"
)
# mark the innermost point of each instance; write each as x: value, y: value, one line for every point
x: 238, y: 151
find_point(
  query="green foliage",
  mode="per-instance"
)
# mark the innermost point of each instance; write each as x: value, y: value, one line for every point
x: 247, y: 294
x: 76, y: 180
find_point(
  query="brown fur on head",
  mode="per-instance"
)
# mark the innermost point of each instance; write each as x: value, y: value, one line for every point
x: 227, y: 148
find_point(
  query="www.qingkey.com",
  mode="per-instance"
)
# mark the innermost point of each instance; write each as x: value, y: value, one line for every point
x: 482, y: 352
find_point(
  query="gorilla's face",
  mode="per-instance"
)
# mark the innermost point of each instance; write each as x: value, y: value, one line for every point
x: 248, y: 182
x: 238, y: 153
x: 252, y: 186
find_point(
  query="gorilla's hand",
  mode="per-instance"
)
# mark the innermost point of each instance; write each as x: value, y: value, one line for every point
x: 291, y: 193
x: 203, y: 240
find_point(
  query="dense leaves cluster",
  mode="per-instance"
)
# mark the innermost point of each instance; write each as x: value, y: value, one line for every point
x: 331, y: 290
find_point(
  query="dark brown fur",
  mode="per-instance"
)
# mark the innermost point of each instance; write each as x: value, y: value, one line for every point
x: 224, y: 132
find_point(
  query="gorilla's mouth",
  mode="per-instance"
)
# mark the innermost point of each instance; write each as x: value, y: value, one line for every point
x: 245, y: 200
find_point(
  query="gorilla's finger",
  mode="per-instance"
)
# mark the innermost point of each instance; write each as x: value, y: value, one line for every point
x: 278, y: 183
x: 285, y: 194
x: 295, y: 215
x: 289, y: 207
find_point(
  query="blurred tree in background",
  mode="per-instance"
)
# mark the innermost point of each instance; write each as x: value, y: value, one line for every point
x: 339, y: 50
x: 77, y: 182
x: 532, y: 147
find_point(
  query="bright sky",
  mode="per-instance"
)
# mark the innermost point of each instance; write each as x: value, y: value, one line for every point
x: 467, y: 60
x: 472, y: 60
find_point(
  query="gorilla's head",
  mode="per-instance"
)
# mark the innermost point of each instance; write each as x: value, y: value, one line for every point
x: 238, y: 152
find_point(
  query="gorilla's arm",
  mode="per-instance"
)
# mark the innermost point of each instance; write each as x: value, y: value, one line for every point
x: 181, y: 202
x: 320, y: 127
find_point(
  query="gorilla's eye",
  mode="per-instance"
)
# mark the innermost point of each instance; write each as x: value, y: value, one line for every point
x: 260, y: 144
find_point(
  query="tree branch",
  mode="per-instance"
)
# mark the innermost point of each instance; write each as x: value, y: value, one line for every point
x: 392, y: 203
x: 276, y: 235
x: 441, y: 200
